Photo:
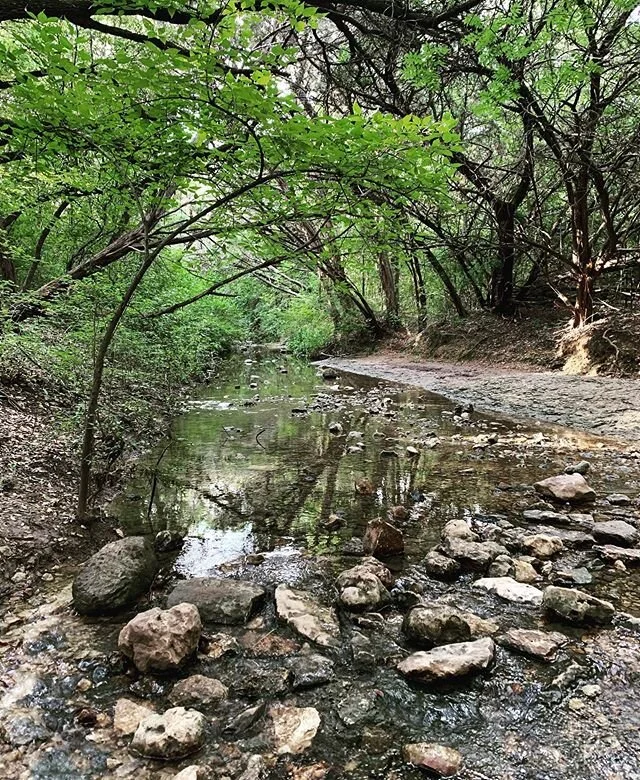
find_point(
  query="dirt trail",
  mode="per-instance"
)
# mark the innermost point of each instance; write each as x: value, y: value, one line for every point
x: 599, y: 405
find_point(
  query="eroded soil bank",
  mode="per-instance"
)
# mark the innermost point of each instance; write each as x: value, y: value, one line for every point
x: 272, y: 477
x: 602, y: 405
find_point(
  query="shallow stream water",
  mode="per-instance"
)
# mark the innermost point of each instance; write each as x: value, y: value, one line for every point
x: 251, y: 468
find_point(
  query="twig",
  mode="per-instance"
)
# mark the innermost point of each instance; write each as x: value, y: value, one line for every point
x: 258, y: 435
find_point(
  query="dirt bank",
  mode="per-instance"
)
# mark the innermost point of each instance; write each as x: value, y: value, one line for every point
x: 601, y: 405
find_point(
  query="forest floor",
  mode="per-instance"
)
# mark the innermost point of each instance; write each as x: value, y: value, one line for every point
x: 38, y: 487
x: 535, y: 338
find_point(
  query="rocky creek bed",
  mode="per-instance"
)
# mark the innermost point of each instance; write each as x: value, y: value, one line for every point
x: 332, y: 576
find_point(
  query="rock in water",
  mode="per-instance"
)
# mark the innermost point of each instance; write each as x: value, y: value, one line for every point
x: 176, y: 733
x: 309, y: 618
x: 294, y: 727
x: 539, y: 644
x: 542, y: 546
x: 382, y: 539
x: 128, y: 715
x: 582, y: 467
x: 217, y: 600
x: 442, y: 624
x: 199, y: 691
x: 476, y: 556
x: 115, y: 576
x: 365, y: 593
x: 615, y: 532
x: 449, y: 661
x: 364, y: 587
x: 619, y: 499
x: 440, y: 566
x: 576, y: 606
x: 440, y: 760
x: 566, y: 487
x: 510, y: 590
x: 630, y: 556
x: 161, y: 640
x: 310, y: 670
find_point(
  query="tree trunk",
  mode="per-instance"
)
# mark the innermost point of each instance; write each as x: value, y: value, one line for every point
x: 502, y: 278
x: 91, y: 419
x: 447, y: 282
x: 419, y: 291
x: 389, y: 272
x: 582, y: 259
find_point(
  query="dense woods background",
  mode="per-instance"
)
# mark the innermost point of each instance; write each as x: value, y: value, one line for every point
x: 180, y: 176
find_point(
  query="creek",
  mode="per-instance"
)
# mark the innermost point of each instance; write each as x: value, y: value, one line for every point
x: 271, y: 475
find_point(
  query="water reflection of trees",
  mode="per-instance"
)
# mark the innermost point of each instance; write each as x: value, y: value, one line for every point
x: 217, y: 475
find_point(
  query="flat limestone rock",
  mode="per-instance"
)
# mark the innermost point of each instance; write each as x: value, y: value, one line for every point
x: 294, y: 727
x: 573, y: 488
x: 439, y: 760
x: 218, y: 600
x: 449, y: 661
x: 198, y: 691
x: 476, y: 556
x: 309, y: 618
x: 614, y: 553
x: 539, y: 644
x: 508, y: 589
x: 616, y: 532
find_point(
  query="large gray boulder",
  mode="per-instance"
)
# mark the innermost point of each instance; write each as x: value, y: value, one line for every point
x: 161, y: 640
x: 575, y: 606
x: 217, y: 600
x: 115, y: 576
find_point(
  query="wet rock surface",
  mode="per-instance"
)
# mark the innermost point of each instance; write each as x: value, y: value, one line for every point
x: 510, y: 590
x: 440, y: 760
x: 555, y: 698
x: 576, y: 606
x: 539, y: 644
x: 309, y: 618
x: 441, y: 625
x: 572, y: 488
x: 217, y: 600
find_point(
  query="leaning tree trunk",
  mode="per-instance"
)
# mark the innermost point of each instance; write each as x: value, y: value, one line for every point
x: 91, y: 419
